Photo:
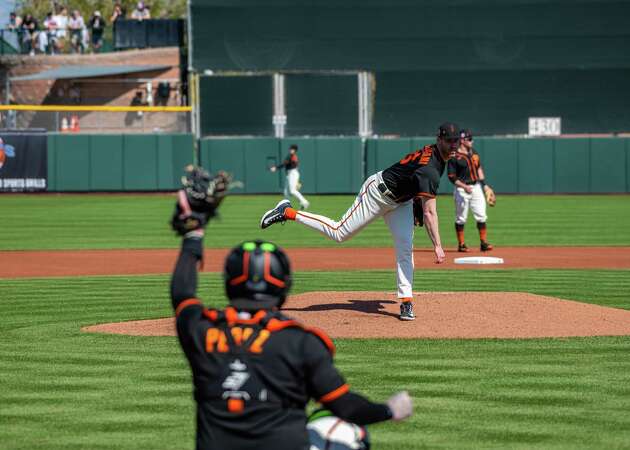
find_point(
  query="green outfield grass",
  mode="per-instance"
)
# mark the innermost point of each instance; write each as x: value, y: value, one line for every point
x: 32, y: 222
x: 63, y: 389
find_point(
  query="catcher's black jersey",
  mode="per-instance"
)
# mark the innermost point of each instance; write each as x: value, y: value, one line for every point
x: 253, y: 376
x: 464, y: 167
x: 417, y: 174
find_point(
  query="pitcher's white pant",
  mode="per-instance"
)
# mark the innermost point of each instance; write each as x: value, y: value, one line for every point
x: 369, y: 204
x: 475, y: 201
x: 290, y: 187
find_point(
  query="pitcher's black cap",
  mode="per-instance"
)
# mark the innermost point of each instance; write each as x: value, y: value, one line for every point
x: 448, y: 130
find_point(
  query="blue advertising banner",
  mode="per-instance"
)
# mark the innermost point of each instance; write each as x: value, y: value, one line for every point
x: 23, y: 161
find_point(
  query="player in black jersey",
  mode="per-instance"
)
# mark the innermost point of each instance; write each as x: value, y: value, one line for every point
x: 466, y: 173
x: 254, y: 369
x: 292, y: 182
x: 390, y: 194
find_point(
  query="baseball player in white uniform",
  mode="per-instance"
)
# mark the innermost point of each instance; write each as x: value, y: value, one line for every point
x: 291, y: 184
x: 391, y: 194
x: 466, y: 173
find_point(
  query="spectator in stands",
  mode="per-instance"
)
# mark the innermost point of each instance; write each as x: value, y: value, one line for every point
x: 119, y: 13
x: 61, y: 18
x: 15, y: 22
x: 30, y: 28
x: 97, y: 25
x: 141, y: 12
x: 132, y: 116
x: 76, y: 26
x: 51, y: 27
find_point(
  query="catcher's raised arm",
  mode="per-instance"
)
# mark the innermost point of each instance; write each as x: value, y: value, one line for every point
x: 199, y: 199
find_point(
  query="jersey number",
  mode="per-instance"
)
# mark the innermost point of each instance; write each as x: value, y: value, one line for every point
x: 217, y: 341
x: 421, y: 157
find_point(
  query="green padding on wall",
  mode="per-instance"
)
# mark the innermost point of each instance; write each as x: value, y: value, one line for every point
x: 72, y: 163
x: 571, y: 170
x: 500, y: 162
x: 51, y: 184
x: 224, y: 154
x: 140, y: 163
x: 258, y: 156
x: 608, y: 168
x: 339, y: 165
x: 106, y: 163
x: 535, y: 165
x: 174, y: 152
x: 247, y: 159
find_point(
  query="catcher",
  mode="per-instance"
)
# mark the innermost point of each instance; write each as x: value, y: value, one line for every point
x: 471, y: 191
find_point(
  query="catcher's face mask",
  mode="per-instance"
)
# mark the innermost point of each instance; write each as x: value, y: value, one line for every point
x: 257, y: 275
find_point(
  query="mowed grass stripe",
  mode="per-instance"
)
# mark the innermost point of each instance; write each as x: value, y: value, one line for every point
x: 100, y: 299
x: 141, y: 221
x: 66, y: 389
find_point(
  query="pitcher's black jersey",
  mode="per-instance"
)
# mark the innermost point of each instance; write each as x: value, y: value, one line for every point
x: 417, y: 174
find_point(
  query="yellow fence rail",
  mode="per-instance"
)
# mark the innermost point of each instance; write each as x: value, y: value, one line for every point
x: 71, y: 108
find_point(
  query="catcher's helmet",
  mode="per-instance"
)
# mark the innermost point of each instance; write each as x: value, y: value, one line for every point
x: 257, y: 275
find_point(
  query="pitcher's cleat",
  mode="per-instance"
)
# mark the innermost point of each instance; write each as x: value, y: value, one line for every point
x: 275, y: 215
x: 406, y: 311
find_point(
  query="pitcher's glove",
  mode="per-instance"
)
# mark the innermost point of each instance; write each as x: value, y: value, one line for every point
x: 491, y: 198
x: 199, y: 199
x: 418, y: 213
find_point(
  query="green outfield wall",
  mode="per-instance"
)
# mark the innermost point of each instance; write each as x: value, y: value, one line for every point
x: 328, y: 165
x: 537, y: 166
x: 117, y: 162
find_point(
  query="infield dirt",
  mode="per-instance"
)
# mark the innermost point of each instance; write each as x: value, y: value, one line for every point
x: 17, y: 264
x: 440, y: 315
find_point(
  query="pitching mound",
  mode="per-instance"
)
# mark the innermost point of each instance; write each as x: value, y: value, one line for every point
x: 440, y: 315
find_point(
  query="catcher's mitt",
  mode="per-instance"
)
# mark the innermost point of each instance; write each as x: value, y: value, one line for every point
x: 491, y: 198
x: 199, y: 199
x: 418, y: 213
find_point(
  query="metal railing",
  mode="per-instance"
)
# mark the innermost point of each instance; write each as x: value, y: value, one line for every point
x: 97, y: 119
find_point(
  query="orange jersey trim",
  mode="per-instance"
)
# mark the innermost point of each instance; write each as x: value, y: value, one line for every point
x: 334, y: 395
x: 277, y: 325
x: 186, y: 303
x: 425, y: 195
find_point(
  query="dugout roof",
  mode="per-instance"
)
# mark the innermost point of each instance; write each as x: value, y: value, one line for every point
x: 81, y: 71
